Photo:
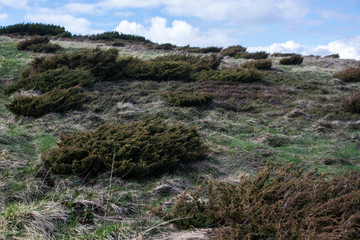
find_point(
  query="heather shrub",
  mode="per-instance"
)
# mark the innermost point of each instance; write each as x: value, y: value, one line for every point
x: 349, y: 75
x: 57, y: 100
x: 188, y: 99
x: 138, y: 149
x: 165, y: 46
x: 262, y: 64
x: 293, y: 60
x: 233, y: 50
x: 333, y: 56
x: 199, y: 63
x: 48, y: 80
x: 244, y: 75
x: 276, y: 204
x: 283, y: 54
x: 45, y: 48
x: 35, y: 29
x: 27, y: 44
x: 352, y: 103
x: 255, y: 55
x: 111, y: 36
x: 118, y: 44
x: 201, y: 50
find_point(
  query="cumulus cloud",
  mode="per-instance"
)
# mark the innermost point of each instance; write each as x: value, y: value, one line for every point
x: 346, y: 48
x: 19, y: 4
x: 180, y: 33
x: 73, y: 24
x: 80, y: 8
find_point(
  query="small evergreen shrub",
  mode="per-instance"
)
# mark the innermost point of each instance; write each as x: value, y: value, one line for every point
x: 283, y: 204
x: 35, y: 29
x: 233, y: 50
x: 244, y: 75
x: 283, y: 54
x: 201, y: 50
x: 111, y: 36
x: 188, y: 99
x: 118, y: 44
x: 48, y: 80
x: 293, y: 60
x: 57, y: 100
x: 333, y: 56
x: 45, y: 48
x: 199, y: 63
x: 255, y: 55
x: 262, y: 64
x: 352, y: 103
x: 27, y: 44
x: 349, y: 75
x: 138, y: 149
x: 165, y: 46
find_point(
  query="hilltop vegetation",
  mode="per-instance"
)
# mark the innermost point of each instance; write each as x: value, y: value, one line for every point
x: 119, y: 142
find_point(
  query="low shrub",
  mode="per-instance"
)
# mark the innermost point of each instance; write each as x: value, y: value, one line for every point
x: 188, y: 99
x: 35, y: 29
x: 276, y: 204
x: 48, y: 80
x: 262, y: 64
x: 244, y: 75
x: 352, y: 103
x: 139, y: 149
x: 27, y: 44
x: 255, y: 55
x: 199, y: 63
x: 57, y: 100
x: 201, y: 50
x: 333, y: 56
x: 165, y: 46
x: 283, y: 54
x: 118, y: 44
x: 111, y: 36
x: 349, y: 75
x: 293, y: 60
x: 45, y: 48
x: 233, y: 50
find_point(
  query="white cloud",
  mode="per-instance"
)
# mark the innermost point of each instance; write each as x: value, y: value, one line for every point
x: 346, y: 48
x: 3, y: 16
x: 180, y: 33
x: 19, y: 4
x: 80, y: 8
x: 73, y: 24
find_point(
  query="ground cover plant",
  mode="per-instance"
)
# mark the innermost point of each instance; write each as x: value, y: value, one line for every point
x: 349, y: 75
x: 56, y: 100
x: 292, y: 60
x: 285, y: 204
x: 352, y: 103
x: 188, y: 99
x: 233, y: 50
x: 134, y: 150
x: 255, y: 55
x: 262, y: 64
x: 38, y: 45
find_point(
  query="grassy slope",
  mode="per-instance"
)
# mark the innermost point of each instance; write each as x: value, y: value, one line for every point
x: 294, y: 115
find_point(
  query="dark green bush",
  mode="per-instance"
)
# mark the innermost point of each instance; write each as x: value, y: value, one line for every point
x: 283, y: 54
x: 352, y: 103
x: 28, y: 43
x: 262, y: 64
x: 45, y: 48
x: 333, y: 56
x: 53, y: 78
x: 188, y: 99
x: 232, y: 51
x: 138, y: 149
x: 244, y: 75
x: 35, y: 29
x: 111, y: 36
x: 199, y: 63
x: 255, y: 55
x: 293, y: 60
x: 57, y: 100
x: 282, y: 204
x: 118, y: 44
x: 100, y: 63
x: 165, y: 46
x: 201, y: 50
x: 349, y: 75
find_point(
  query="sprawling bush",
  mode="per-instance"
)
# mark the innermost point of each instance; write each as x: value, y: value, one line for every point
x: 262, y: 64
x: 244, y: 75
x: 283, y: 204
x: 57, y: 100
x: 188, y: 99
x: 35, y: 29
x: 138, y: 149
x: 100, y: 63
x: 283, y: 54
x: 199, y: 63
x: 293, y: 60
x: 333, y: 56
x: 233, y: 50
x: 349, y: 75
x: 165, y: 46
x: 201, y: 50
x: 45, y: 48
x: 48, y: 80
x: 255, y: 55
x: 111, y: 36
x: 352, y: 103
x: 28, y: 43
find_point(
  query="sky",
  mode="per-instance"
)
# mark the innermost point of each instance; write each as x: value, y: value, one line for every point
x: 318, y: 27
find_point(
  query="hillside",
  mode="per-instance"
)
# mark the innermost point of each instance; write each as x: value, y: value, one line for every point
x: 293, y: 115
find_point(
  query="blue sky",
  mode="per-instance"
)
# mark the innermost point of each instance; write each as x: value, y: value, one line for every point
x: 317, y: 27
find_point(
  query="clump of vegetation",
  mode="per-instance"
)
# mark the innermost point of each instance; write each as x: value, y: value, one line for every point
x: 352, y: 103
x: 283, y: 204
x: 165, y: 46
x: 27, y: 44
x: 118, y: 44
x: 35, y: 29
x: 261, y: 64
x: 283, y: 54
x: 349, y: 75
x: 139, y: 149
x: 276, y: 140
x: 57, y: 100
x: 293, y: 60
x: 333, y: 56
x: 255, y: 55
x: 188, y: 99
x: 199, y: 63
x: 201, y: 50
x: 244, y: 75
x: 111, y: 36
x: 45, y: 48
x: 233, y: 50
x: 48, y: 80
